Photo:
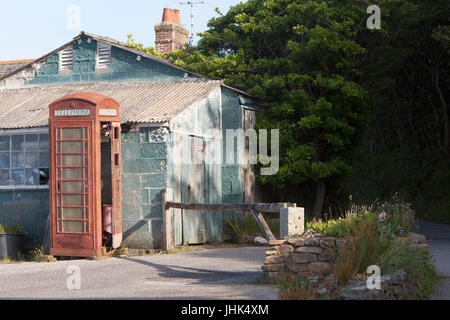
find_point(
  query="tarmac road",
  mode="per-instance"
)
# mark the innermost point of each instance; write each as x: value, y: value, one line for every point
x: 438, y: 238
x: 219, y: 273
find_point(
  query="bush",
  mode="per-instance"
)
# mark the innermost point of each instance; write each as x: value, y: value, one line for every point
x: 11, y: 229
x: 417, y: 263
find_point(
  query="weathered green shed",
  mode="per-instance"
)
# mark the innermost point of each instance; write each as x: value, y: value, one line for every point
x: 173, y: 125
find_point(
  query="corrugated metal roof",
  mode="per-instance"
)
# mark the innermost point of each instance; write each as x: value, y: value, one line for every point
x: 7, y: 67
x: 139, y: 102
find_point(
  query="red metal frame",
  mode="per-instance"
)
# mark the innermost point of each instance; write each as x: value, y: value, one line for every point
x: 74, y: 115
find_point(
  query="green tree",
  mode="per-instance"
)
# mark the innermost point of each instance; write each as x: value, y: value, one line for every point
x: 302, y: 58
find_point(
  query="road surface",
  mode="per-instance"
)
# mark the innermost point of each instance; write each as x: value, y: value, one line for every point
x: 438, y: 237
x: 219, y: 273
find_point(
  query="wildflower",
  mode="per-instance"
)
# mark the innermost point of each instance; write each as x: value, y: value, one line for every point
x: 382, y: 216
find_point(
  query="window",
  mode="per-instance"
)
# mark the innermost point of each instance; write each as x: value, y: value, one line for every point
x: 72, y: 179
x: 24, y: 160
x: 103, y: 55
x: 66, y: 58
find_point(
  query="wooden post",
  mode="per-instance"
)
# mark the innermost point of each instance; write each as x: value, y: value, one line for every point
x: 263, y: 224
x: 167, y: 221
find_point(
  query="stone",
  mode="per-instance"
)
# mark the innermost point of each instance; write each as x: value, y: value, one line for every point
x: 271, y: 252
x: 322, y: 291
x: 276, y: 242
x: 315, y: 250
x: 285, y: 248
x: 320, y: 267
x: 272, y: 267
x: 273, y: 259
x: 47, y: 258
x: 310, y: 233
x: 399, y: 277
x: 304, y: 257
x: 260, y: 241
x: 326, y: 256
x: 272, y: 275
x: 313, y: 242
x: 341, y: 243
x: 298, y: 268
x: 297, y: 242
x: 327, y: 242
x: 415, y: 238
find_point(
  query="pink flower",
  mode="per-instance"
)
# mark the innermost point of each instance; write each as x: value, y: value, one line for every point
x: 382, y: 216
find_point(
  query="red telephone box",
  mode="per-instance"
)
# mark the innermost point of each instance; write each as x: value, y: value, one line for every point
x: 85, y: 175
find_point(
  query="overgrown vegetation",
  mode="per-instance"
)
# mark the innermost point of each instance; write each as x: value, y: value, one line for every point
x: 372, y: 235
x: 247, y: 227
x: 397, y: 218
x: 417, y: 263
x: 34, y: 255
x: 362, y: 112
x: 11, y: 229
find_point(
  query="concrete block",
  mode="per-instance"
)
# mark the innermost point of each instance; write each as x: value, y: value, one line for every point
x: 292, y: 221
x: 154, y: 150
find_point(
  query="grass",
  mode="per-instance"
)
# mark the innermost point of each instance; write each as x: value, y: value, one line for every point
x: 247, y: 226
x: 365, y: 247
x: 298, y: 288
x: 31, y: 256
x: 398, y: 221
x: 418, y: 265
x: 371, y: 240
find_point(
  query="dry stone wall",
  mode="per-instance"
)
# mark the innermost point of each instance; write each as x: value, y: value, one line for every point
x: 311, y: 257
x: 314, y: 258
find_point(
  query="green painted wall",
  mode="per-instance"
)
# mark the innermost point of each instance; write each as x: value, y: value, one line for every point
x: 29, y: 210
x: 124, y: 66
x: 144, y: 179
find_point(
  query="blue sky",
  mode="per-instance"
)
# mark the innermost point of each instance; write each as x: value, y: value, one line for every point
x: 30, y: 28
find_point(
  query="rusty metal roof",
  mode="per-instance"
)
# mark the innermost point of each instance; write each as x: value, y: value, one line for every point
x: 140, y: 102
x: 7, y: 67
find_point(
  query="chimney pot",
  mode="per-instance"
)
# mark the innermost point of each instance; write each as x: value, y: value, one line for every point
x: 170, y: 34
x: 171, y: 16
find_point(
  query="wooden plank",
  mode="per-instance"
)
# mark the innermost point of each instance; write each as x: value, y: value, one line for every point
x: 232, y: 207
x: 248, y: 168
x: 196, y: 190
x: 178, y: 185
x: 262, y: 224
x: 168, y: 243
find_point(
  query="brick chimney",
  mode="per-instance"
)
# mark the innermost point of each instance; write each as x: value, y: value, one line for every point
x: 170, y: 34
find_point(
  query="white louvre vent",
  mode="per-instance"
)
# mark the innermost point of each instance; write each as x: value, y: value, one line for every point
x: 66, y: 58
x: 103, y: 55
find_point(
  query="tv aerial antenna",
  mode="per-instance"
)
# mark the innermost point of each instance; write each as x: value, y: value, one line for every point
x: 192, y: 4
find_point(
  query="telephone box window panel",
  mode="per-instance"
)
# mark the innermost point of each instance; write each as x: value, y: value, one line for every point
x: 24, y: 160
x: 72, y: 182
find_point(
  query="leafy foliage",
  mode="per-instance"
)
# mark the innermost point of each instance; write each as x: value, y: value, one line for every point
x: 370, y: 105
x: 11, y: 229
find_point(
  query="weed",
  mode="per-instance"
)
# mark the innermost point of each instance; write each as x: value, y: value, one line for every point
x: 121, y: 251
x: 247, y: 226
x: 417, y: 264
x: 11, y: 229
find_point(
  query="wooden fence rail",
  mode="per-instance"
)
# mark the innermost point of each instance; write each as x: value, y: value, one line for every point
x: 256, y: 209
